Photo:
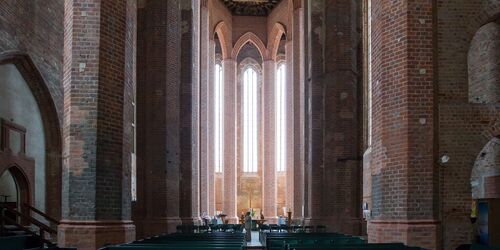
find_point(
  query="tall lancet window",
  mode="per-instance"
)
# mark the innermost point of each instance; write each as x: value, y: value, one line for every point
x: 280, y: 118
x: 219, y: 119
x: 250, y: 120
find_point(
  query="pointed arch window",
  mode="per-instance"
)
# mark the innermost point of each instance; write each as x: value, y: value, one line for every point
x: 219, y: 119
x: 250, y: 121
x: 280, y: 118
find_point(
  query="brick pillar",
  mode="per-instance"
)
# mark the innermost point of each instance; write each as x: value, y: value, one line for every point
x: 195, y: 113
x: 211, y: 166
x: 298, y: 108
x: 269, y: 191
x: 188, y: 186
x: 289, y: 121
x: 98, y: 85
x: 341, y: 129
x: 404, y: 173
x: 204, y: 106
x: 315, y: 145
x: 162, y: 124
x: 230, y: 171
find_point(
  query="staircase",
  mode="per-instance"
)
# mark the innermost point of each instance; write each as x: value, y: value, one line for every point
x: 23, y: 231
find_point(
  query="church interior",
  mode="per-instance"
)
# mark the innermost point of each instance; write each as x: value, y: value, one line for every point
x: 249, y: 124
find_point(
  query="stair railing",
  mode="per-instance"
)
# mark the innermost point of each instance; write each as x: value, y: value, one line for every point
x: 42, y: 228
x: 52, y: 221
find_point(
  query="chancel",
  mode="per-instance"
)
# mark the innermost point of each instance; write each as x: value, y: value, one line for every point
x: 249, y: 124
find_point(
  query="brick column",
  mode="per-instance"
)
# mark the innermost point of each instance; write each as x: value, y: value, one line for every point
x: 298, y: 108
x: 188, y: 182
x: 204, y: 106
x: 211, y: 128
x: 289, y: 121
x: 195, y: 113
x: 404, y: 173
x: 269, y: 191
x: 98, y: 85
x: 230, y: 171
x: 162, y: 124
x: 341, y: 129
x: 315, y: 144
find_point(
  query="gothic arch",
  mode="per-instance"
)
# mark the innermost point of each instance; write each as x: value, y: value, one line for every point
x: 51, y: 126
x: 274, y: 39
x: 222, y: 32
x: 249, y: 37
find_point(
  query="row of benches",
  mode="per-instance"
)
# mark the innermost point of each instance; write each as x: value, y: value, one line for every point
x: 300, y: 241
x: 327, y: 241
x: 22, y: 242
x: 183, y: 241
x: 238, y: 228
x: 275, y: 228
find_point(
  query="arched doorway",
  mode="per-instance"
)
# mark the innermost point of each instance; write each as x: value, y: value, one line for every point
x: 15, y: 189
x: 485, y: 186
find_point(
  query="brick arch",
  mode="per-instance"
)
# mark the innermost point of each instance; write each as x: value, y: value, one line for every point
x: 274, y: 39
x: 250, y: 37
x: 489, y: 12
x: 51, y: 126
x: 492, y: 130
x: 222, y: 32
x: 486, y: 164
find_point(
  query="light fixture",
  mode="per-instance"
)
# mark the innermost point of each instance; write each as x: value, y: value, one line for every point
x: 444, y: 158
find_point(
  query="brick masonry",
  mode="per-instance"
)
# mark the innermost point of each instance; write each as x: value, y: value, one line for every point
x: 404, y: 120
x: 159, y: 125
x: 432, y: 96
x: 464, y: 127
x: 98, y: 87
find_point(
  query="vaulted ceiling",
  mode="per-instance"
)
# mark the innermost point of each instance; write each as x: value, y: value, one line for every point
x: 251, y: 8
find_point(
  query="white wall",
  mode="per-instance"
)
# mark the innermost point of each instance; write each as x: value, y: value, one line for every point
x: 18, y: 105
x: 8, y: 187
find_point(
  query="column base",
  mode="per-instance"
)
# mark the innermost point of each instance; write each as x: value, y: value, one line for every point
x: 415, y: 233
x: 345, y: 225
x: 92, y: 235
x: 157, y: 226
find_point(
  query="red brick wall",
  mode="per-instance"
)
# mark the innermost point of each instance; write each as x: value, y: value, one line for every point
x: 404, y: 184
x: 36, y: 28
x: 464, y: 128
x: 244, y: 24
